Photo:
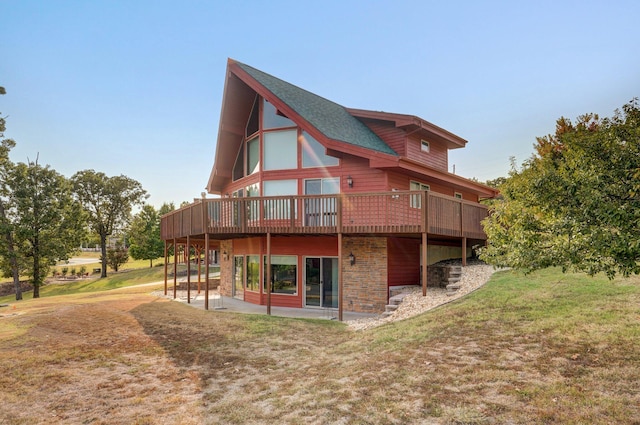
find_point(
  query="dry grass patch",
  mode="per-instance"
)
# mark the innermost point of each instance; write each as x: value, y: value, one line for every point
x: 545, y: 348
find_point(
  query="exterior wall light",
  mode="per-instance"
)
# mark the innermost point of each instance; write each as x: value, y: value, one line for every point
x: 225, y: 256
x: 352, y: 258
x: 350, y: 181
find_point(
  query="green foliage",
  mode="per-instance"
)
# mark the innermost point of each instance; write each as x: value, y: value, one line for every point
x: 117, y: 256
x: 144, y: 235
x: 576, y: 202
x: 48, y: 223
x: 108, y: 202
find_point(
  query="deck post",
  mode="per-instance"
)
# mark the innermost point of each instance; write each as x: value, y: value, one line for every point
x: 464, y: 252
x: 166, y: 253
x: 175, y: 268
x: 199, y: 256
x: 206, y: 271
x: 188, y: 271
x: 424, y: 264
x: 340, y: 283
x: 268, y: 274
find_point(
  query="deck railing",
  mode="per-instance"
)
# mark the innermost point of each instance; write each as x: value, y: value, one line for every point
x: 395, y: 212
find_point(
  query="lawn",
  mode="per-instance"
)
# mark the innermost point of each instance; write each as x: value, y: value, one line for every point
x: 542, y: 348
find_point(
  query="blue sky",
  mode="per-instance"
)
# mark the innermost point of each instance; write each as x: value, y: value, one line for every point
x: 135, y: 87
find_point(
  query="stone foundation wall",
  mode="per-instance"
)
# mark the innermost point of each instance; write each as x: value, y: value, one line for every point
x: 365, y: 283
x: 226, y: 267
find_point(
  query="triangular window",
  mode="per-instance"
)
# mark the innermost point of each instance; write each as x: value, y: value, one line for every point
x: 272, y: 118
x: 253, y: 123
x: 238, y: 167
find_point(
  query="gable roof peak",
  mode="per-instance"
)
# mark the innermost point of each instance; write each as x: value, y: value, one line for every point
x: 332, y: 120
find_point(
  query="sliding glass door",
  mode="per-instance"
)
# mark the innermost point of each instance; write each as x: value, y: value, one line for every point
x: 321, y: 282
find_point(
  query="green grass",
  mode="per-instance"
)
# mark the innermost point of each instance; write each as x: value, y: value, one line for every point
x: 133, y: 273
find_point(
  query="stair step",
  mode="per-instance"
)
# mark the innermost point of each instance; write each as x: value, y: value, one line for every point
x: 386, y: 313
x: 454, y: 286
x: 391, y: 307
x: 397, y: 299
x: 396, y: 290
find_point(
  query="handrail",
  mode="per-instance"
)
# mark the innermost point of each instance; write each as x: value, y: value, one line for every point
x: 394, y: 212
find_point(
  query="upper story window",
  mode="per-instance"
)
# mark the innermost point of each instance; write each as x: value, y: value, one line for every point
x: 280, y: 150
x: 273, y: 145
x: 272, y: 119
x: 238, y: 167
x: 457, y: 195
x: 253, y: 123
x: 313, y: 153
x: 424, y: 146
x: 253, y: 155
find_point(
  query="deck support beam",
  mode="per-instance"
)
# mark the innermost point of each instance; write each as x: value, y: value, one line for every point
x: 188, y: 255
x: 424, y: 264
x: 166, y: 253
x: 206, y: 271
x: 340, y: 280
x: 175, y: 269
x: 268, y: 274
x: 464, y: 252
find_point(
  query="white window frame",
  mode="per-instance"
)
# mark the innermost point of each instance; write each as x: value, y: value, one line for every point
x: 416, y: 200
x: 424, y: 146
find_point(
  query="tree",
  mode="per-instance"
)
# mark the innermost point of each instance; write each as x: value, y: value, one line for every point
x: 576, y: 202
x: 48, y: 224
x: 117, y: 256
x: 7, y: 247
x: 8, y: 256
x: 144, y: 235
x: 108, y: 202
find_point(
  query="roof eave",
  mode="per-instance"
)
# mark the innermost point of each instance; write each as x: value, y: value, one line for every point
x: 412, y: 122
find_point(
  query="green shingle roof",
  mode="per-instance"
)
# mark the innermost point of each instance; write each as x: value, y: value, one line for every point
x: 326, y: 116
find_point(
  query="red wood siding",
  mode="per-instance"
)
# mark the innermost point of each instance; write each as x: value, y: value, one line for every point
x: 396, y: 138
x: 401, y: 182
x: 437, y: 157
x: 403, y: 261
x: 365, y: 179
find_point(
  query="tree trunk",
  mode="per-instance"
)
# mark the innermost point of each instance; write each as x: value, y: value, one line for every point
x: 103, y: 247
x: 37, y: 279
x: 13, y: 260
x: 150, y: 264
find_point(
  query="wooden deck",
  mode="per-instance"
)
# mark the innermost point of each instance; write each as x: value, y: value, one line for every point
x: 391, y: 213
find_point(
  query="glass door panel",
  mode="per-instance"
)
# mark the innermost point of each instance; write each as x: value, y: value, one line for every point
x: 238, y: 277
x: 330, y: 282
x: 312, y: 282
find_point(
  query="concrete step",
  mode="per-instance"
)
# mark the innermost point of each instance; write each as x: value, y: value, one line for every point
x: 397, y: 299
x: 395, y: 290
x: 453, y: 286
x: 391, y: 307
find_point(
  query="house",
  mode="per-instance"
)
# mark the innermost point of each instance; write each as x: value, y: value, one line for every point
x: 322, y: 206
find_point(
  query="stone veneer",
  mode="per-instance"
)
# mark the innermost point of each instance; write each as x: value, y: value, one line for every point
x: 365, y: 283
x: 226, y: 267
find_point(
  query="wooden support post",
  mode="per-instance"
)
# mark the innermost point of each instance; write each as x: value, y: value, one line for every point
x: 188, y: 253
x: 424, y: 264
x: 340, y: 280
x: 464, y: 252
x: 206, y: 271
x: 268, y: 273
x: 166, y: 254
x: 199, y: 257
x: 175, y: 269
